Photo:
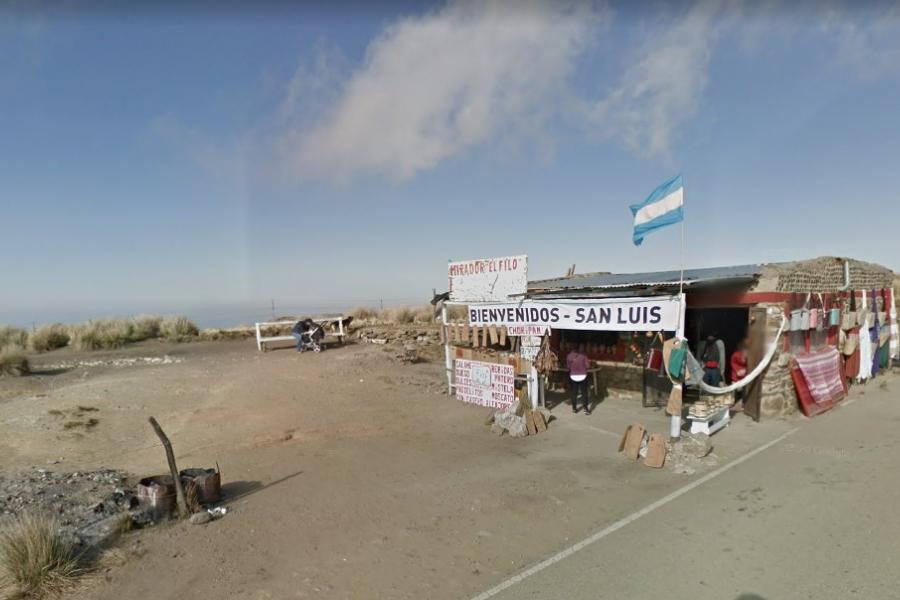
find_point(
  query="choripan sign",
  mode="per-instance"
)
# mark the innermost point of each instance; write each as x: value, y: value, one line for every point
x: 488, y: 279
x: 619, y: 314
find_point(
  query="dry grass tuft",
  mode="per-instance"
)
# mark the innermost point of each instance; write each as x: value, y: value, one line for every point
x: 13, y: 337
x: 13, y: 362
x: 178, y: 329
x: 400, y: 315
x: 424, y: 314
x: 50, y: 337
x: 115, y: 333
x: 192, y: 497
x: 456, y: 312
x: 101, y: 333
x: 35, y: 559
x: 364, y: 314
x: 145, y: 327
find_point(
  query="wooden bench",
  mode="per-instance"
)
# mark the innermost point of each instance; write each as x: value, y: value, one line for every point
x: 263, y: 341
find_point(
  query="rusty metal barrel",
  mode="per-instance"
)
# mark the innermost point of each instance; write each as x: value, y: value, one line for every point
x: 157, y: 493
x: 207, y: 481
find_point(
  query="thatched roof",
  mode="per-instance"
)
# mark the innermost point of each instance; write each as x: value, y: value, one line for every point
x: 824, y: 274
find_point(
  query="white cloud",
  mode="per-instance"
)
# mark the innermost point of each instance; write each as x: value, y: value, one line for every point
x: 867, y: 38
x: 663, y: 86
x: 433, y: 86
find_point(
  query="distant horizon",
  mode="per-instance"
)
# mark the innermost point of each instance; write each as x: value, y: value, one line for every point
x: 234, y: 314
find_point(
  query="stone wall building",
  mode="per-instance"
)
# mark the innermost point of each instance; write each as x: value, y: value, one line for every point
x: 730, y: 303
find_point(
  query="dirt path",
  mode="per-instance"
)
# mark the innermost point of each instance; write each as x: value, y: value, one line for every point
x: 349, y: 475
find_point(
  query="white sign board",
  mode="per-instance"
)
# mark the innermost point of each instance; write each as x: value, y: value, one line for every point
x: 618, y: 314
x: 489, y: 279
x: 529, y: 346
x: 538, y: 330
x: 485, y: 384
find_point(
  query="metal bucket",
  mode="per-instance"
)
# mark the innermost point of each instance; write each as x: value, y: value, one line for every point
x: 207, y: 481
x: 157, y: 493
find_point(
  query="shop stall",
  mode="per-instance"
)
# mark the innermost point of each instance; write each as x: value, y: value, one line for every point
x: 805, y: 330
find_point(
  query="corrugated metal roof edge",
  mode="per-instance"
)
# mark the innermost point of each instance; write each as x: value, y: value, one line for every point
x: 748, y: 271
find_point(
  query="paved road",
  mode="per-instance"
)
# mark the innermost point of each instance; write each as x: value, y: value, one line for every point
x: 814, y: 515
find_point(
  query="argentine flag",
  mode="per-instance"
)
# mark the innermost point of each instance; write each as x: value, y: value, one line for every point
x: 662, y: 207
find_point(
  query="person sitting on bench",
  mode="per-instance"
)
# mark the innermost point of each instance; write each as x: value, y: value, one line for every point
x: 300, y: 328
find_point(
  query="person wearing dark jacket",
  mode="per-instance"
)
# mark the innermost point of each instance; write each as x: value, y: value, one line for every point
x: 300, y: 328
x: 579, y: 364
x: 712, y: 373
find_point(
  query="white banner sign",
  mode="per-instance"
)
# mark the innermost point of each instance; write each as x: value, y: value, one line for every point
x: 485, y: 384
x: 619, y: 314
x: 489, y: 279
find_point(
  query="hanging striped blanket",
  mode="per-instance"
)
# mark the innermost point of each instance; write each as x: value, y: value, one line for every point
x: 822, y: 371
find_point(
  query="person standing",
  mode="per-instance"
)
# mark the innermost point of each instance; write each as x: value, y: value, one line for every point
x: 738, y: 372
x: 579, y: 364
x: 712, y: 367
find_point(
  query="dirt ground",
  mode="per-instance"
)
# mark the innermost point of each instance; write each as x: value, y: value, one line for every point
x: 347, y: 473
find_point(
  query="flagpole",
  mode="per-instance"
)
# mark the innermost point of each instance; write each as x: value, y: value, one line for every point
x: 675, y: 421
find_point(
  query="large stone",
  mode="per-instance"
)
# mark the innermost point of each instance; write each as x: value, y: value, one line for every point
x: 517, y: 427
x: 695, y: 444
x: 505, y: 418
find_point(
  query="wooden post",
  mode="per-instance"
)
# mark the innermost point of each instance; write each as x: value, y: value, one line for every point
x: 173, y: 468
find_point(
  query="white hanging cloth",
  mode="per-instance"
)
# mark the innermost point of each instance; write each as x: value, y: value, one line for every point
x: 865, y: 344
x: 895, y: 328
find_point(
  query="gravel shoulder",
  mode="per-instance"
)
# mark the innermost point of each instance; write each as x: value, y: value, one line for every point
x: 348, y: 474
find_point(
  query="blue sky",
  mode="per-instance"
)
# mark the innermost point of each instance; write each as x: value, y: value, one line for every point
x: 212, y: 159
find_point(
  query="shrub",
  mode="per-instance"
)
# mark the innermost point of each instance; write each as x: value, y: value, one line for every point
x: 145, y: 327
x: 35, y: 559
x: 13, y: 362
x: 364, y: 314
x: 13, y: 337
x: 400, y: 315
x: 102, y: 333
x: 424, y: 314
x: 50, y: 337
x: 456, y: 312
x: 178, y: 329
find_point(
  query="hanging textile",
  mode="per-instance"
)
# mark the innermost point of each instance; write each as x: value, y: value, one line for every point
x: 850, y: 348
x: 865, y: 344
x: 895, y: 329
x: 875, y: 333
x: 822, y: 372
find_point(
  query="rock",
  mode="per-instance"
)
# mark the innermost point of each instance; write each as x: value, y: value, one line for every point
x: 517, y: 428
x: 505, y: 418
x: 695, y: 444
x: 498, y: 429
x: 200, y: 518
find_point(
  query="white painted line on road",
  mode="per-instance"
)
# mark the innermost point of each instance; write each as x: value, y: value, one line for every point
x: 535, y: 569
